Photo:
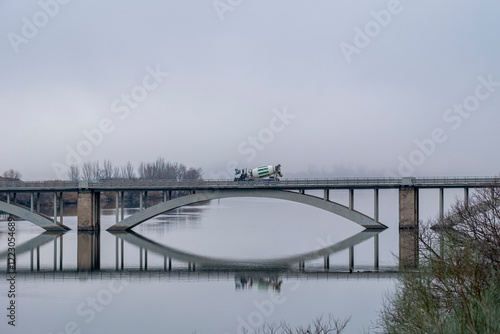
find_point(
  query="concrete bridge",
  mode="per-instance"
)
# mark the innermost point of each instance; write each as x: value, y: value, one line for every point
x: 88, y: 210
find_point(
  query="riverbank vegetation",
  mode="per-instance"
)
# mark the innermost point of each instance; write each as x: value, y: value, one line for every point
x: 456, y: 288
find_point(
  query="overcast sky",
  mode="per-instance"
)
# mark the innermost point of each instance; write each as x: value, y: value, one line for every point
x: 328, y: 88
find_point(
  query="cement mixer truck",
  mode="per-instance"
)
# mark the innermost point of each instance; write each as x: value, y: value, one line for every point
x: 265, y: 172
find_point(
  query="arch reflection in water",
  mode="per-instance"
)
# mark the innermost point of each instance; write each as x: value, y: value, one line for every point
x: 146, y: 245
x: 33, y: 246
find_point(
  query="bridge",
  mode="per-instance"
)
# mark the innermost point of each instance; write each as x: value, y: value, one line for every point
x: 203, y: 190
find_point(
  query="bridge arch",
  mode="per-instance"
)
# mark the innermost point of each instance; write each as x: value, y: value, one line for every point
x: 338, y: 209
x: 32, y: 217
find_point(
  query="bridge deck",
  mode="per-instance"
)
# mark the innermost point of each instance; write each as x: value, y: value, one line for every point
x: 283, y: 184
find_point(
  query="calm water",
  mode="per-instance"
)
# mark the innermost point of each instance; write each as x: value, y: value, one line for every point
x: 215, y: 268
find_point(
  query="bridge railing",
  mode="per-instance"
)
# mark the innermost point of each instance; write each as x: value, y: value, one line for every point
x: 222, y: 183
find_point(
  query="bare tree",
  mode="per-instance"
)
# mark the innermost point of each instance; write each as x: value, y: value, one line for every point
x: 319, y: 325
x: 116, y: 172
x: 128, y: 172
x: 106, y: 171
x: 193, y: 174
x: 96, y: 171
x: 87, y: 171
x: 74, y: 173
x: 12, y: 174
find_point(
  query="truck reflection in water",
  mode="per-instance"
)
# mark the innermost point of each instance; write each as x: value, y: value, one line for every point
x: 265, y: 284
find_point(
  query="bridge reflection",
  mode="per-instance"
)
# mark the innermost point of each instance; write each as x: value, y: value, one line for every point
x: 88, y: 256
x: 146, y: 245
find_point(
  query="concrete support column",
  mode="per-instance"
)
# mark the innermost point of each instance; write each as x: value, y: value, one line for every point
x: 164, y: 196
x: 8, y: 198
x: 140, y: 200
x: 408, y: 226
x: 375, y: 251
x: 117, y: 207
x: 55, y: 208
x: 466, y: 197
x: 441, y: 203
x: 15, y: 198
x: 326, y: 262
x: 302, y: 191
x: 88, y: 210
x: 122, y: 195
x: 351, y: 199
x: 408, y: 207
x: 326, y: 195
x: 145, y: 200
x: 61, y: 205
x: 96, y: 211
x: 375, y: 205
x: 37, y: 202
x: 32, y: 202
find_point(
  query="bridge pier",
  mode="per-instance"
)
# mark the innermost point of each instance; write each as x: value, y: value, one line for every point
x: 408, y: 225
x: 89, y: 210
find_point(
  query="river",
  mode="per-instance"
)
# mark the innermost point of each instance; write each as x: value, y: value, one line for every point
x: 221, y: 267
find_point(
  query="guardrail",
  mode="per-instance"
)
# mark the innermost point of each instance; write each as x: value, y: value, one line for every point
x: 368, y: 182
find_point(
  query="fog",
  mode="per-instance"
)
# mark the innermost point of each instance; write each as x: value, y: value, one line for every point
x: 372, y: 88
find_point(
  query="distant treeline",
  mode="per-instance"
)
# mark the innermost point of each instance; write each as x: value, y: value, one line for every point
x: 159, y: 169
x: 94, y: 171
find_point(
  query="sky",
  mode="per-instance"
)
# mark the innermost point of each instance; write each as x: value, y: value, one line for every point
x: 324, y: 88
